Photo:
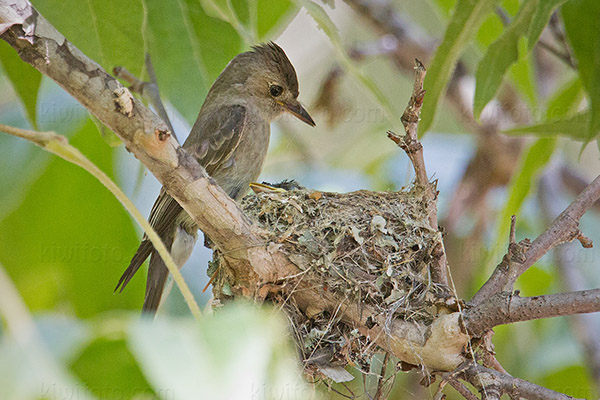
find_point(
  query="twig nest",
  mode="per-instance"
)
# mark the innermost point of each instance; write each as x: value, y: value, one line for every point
x: 367, y: 247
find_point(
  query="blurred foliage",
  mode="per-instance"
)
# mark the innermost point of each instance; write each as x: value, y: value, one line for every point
x: 64, y: 239
x: 59, y: 233
x: 583, y: 31
x: 465, y: 21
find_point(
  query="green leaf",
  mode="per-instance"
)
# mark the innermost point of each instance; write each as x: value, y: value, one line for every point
x: 225, y: 11
x: 522, y: 73
x: 466, y: 19
x: 69, y: 239
x: 189, y: 50
x: 240, y: 352
x: 490, y: 30
x: 565, y: 101
x: 216, y: 40
x: 581, y: 19
x: 540, y: 19
x: 24, y: 78
x: 217, y: 10
x: 574, y: 127
x: 273, y: 15
x: 510, y: 6
x: 500, y: 55
x: 446, y: 6
x: 108, y: 31
x: 108, y: 370
x: 188, y: 47
x: 175, y: 50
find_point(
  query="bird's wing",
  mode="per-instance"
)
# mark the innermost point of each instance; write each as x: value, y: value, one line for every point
x: 220, y: 136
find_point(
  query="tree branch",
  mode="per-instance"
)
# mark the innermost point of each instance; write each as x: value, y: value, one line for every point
x: 584, y: 326
x: 565, y: 228
x: 506, y: 308
x: 462, y: 389
x: 490, y: 383
x: 414, y: 149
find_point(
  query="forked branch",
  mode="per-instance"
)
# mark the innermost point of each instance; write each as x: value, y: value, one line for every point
x: 565, y: 228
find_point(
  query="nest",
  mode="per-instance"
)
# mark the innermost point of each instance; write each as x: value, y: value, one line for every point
x: 372, y: 248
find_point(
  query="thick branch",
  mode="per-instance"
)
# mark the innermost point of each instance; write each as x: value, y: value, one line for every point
x: 438, y: 346
x: 506, y: 308
x: 565, y: 228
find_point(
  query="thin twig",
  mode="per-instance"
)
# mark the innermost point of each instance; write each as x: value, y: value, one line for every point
x: 463, y: 390
x: 148, y: 90
x: 564, y: 57
x: 379, y: 393
x: 559, y: 35
x: 410, y: 119
x: 414, y: 149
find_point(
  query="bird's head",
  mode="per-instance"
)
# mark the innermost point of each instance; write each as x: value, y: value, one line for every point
x: 269, y: 79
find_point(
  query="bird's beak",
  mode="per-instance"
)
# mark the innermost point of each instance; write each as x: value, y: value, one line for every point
x: 298, y: 111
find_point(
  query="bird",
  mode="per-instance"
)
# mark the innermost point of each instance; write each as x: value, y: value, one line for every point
x: 230, y: 139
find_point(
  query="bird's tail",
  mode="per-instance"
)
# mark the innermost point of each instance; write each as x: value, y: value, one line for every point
x: 157, y: 276
x: 138, y: 259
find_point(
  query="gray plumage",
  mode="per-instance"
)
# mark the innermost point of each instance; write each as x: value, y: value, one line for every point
x: 230, y: 140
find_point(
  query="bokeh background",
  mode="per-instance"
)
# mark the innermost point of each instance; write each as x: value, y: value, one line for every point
x: 65, y: 240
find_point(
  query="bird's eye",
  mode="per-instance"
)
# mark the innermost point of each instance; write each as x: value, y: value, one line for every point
x: 275, y: 90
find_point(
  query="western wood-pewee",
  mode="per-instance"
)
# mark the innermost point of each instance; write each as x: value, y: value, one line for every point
x: 230, y: 140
